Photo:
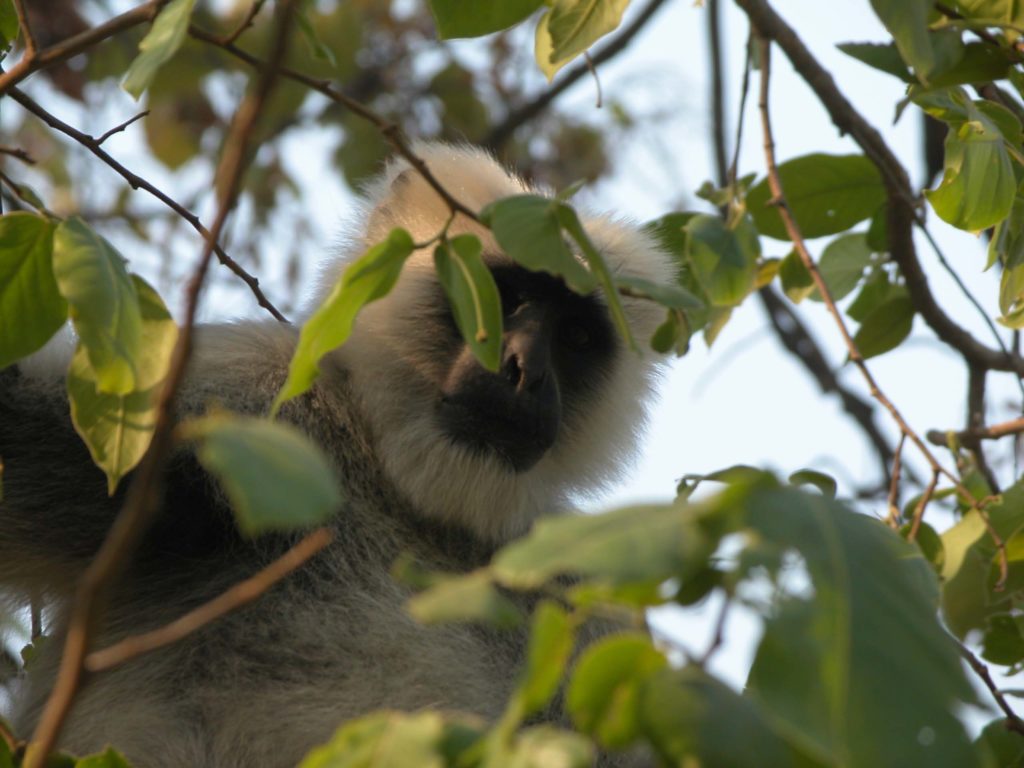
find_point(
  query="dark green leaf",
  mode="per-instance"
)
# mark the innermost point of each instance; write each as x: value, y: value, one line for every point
x: 367, y: 279
x: 473, y: 296
x: 842, y: 265
x: 885, y: 327
x: 1005, y: 746
x: 274, y: 476
x: 796, y: 279
x: 824, y: 483
x: 456, y: 18
x: 907, y: 22
x: 1004, y: 640
x: 827, y: 194
x: 31, y: 307
x: 881, y: 56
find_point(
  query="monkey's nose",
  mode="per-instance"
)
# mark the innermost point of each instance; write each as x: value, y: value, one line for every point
x: 524, y: 374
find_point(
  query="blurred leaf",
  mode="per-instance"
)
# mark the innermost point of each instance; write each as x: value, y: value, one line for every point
x: 384, y: 740
x: 631, y: 544
x: 1004, y: 745
x: 473, y: 296
x: 604, y: 695
x: 724, y: 259
x: 1004, y: 640
x: 551, y: 641
x: 796, y: 279
x: 687, y: 715
x: 8, y: 23
x: 876, y: 291
x: 316, y: 46
x: 859, y: 669
x: 107, y: 759
x: 928, y: 541
x: 459, y: 19
x: 118, y: 428
x: 275, y: 477
x: 471, y: 597
x: 882, y: 56
x: 824, y: 483
x: 366, y: 279
x: 465, y: 114
x: 670, y: 296
x: 161, y: 42
x: 543, y: 746
x: 31, y: 307
x: 103, y: 304
x: 826, y: 194
x: 528, y: 230
x: 885, y: 327
x: 907, y: 22
x: 842, y: 265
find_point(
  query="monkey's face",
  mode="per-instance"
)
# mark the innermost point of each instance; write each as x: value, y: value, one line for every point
x: 556, y: 346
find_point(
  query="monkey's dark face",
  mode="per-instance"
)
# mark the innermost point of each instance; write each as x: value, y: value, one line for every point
x: 556, y: 345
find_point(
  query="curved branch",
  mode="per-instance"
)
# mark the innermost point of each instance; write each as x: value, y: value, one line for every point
x: 502, y: 132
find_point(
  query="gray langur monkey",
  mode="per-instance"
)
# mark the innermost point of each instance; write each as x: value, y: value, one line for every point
x: 436, y: 457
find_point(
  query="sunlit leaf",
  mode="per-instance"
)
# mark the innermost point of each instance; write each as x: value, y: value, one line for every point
x: 473, y: 296
x: 907, y: 22
x: 551, y: 641
x: 724, y: 260
x: 472, y: 597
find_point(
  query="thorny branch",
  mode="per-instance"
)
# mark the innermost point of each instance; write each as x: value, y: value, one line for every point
x: 142, y: 499
x: 242, y: 593
x: 137, y: 182
x: 779, y: 200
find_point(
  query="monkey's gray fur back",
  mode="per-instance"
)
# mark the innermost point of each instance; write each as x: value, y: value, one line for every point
x: 263, y: 685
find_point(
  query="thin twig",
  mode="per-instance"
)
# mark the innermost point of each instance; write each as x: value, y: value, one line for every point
x: 137, y: 182
x: 741, y: 114
x: 246, y: 22
x: 389, y: 130
x: 19, y: 191
x: 518, y: 117
x: 894, y: 484
x: 800, y: 246
x: 18, y: 154
x: 76, y: 44
x: 597, y: 78
x: 141, y: 503
x: 718, y: 637
x: 902, y: 214
x: 1013, y: 721
x: 993, y: 432
x: 714, y: 14
x: 234, y: 598
x: 26, y: 29
x: 121, y: 127
x: 922, y: 505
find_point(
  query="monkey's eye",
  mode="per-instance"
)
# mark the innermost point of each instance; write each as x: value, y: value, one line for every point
x: 576, y: 335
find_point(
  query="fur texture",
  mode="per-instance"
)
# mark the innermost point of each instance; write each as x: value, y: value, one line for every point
x: 262, y: 686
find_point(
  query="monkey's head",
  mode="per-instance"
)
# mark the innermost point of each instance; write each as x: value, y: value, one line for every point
x: 491, y: 451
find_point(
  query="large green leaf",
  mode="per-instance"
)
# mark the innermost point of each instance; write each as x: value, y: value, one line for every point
x: 103, y: 304
x: 473, y: 296
x: 856, y: 665
x: 528, y: 230
x: 687, y: 714
x: 842, y: 265
x: 118, y: 428
x: 571, y: 26
x: 31, y: 307
x: 161, y: 42
x: 724, y: 260
x: 907, y: 22
x: 885, y: 327
x: 367, y: 279
x: 827, y: 194
x: 274, y: 476
x: 457, y: 18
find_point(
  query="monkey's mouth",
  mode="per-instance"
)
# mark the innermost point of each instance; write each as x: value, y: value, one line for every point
x: 518, y: 438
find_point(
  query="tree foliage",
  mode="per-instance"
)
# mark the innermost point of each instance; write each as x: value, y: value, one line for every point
x: 866, y: 618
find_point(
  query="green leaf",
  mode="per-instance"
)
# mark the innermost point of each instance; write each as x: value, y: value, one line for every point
x: 885, y: 327
x: 1005, y: 746
x: 882, y: 56
x: 110, y: 758
x: 103, y: 304
x: 457, y: 18
x: 827, y: 194
x: 907, y: 22
x: 796, y: 279
x: 118, y: 428
x: 992, y: 12
x: 31, y: 307
x: 631, y: 544
x: 824, y: 483
x: 473, y: 296
x: 570, y: 222
x: 856, y: 666
x: 575, y: 25
x: 367, y: 279
x: 274, y: 476
x: 604, y: 695
x: 472, y: 597
x: 978, y: 184
x: 1004, y: 640
x: 161, y: 42
x: 545, y: 747
x: 313, y: 42
x: 876, y: 291
x: 384, y: 740
x: 724, y: 260
x: 551, y: 639
x: 528, y: 230
x: 8, y: 23
x: 670, y: 296
x: 842, y: 265
x: 673, y: 335
x: 688, y: 714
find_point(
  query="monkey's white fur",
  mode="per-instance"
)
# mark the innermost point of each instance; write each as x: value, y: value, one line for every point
x: 262, y: 686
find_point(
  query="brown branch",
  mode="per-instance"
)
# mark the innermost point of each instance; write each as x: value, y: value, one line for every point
x: 36, y: 60
x: 894, y: 485
x: 922, y: 505
x: 137, y: 182
x: 26, y: 29
x: 18, y: 154
x: 246, y: 22
x: 141, y: 502
x: 966, y: 436
x: 976, y: 418
x: 21, y: 194
x: 902, y: 214
x: 389, y: 130
x: 800, y: 246
x: 714, y: 14
x: 234, y: 598
x: 121, y: 127
x: 515, y: 119
x: 1013, y: 721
